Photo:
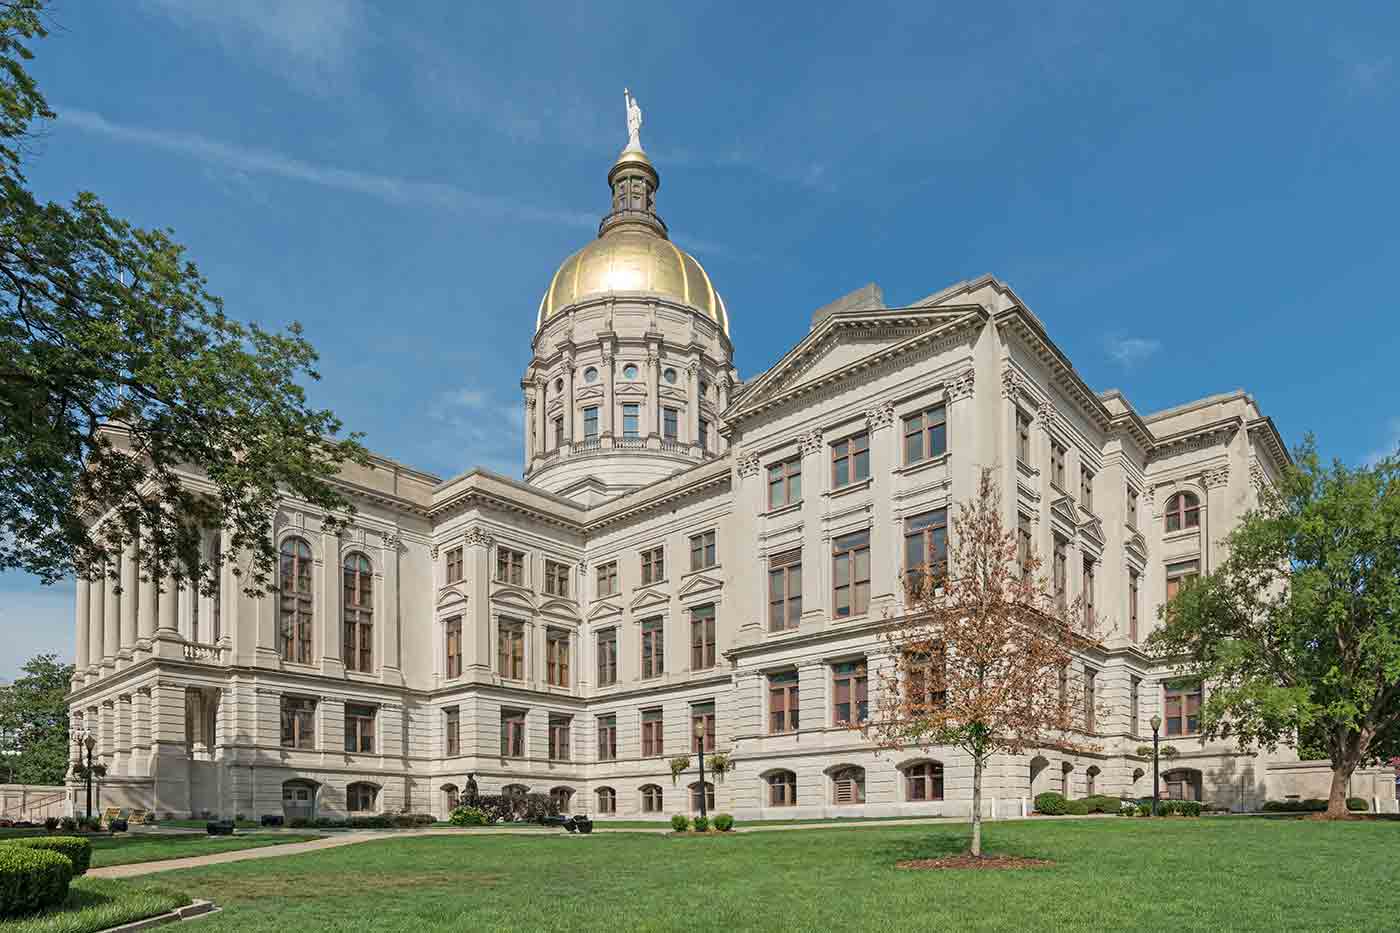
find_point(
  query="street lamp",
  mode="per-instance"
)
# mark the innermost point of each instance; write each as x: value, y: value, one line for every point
x: 1156, y: 725
x: 700, y: 754
x: 89, y: 742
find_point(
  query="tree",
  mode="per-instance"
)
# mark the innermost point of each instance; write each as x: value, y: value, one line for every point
x: 1297, y: 633
x: 34, y: 744
x: 119, y: 371
x: 984, y: 654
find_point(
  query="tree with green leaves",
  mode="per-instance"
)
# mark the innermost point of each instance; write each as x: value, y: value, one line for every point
x: 1296, y: 635
x: 121, y: 377
x: 34, y: 745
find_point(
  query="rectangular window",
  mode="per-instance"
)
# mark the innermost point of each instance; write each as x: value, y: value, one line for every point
x: 1132, y: 507
x: 782, y: 702
x: 1061, y: 571
x: 510, y: 566
x: 785, y: 483
x: 925, y: 434
x: 784, y: 591
x: 590, y: 421
x: 359, y: 728
x: 1023, y: 437
x: 558, y: 430
x: 607, y: 657
x: 702, y: 714
x: 653, y: 648
x: 1088, y: 583
x: 1090, y: 700
x: 1134, y: 689
x: 452, y: 731
x: 849, y: 693
x: 454, y: 565
x: 850, y: 575
x: 298, y: 723
x: 651, y: 733
x: 510, y: 652
x: 850, y: 460
x: 1057, y: 463
x: 1023, y: 543
x: 925, y: 686
x: 1183, y: 709
x: 631, y: 420
x: 1179, y: 575
x: 1086, y: 489
x: 512, y: 733
x: 670, y: 423
x: 607, y: 579
x: 925, y: 548
x: 556, y: 578
x: 702, y: 638
x: 653, y: 565
x: 559, y: 737
x: 702, y: 550
x: 704, y: 439
x: 556, y: 653
x: 453, y: 628
x: 607, y: 738
x: 1133, y: 605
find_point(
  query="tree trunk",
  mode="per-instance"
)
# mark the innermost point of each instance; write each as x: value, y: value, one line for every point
x: 1337, y: 798
x: 976, y: 805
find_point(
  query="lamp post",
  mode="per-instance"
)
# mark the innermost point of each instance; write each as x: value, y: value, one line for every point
x: 89, y: 742
x: 1156, y: 725
x: 700, y: 754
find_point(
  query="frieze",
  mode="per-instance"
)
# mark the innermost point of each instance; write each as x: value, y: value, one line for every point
x: 810, y: 441
x: 1048, y: 415
x: 880, y: 417
x: 477, y: 537
x: 393, y: 541
x: 1214, y: 478
x: 747, y: 464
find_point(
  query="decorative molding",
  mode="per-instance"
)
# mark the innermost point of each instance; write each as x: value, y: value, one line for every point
x: 476, y: 537
x: 1011, y: 383
x: 1047, y: 415
x: 961, y: 385
x: 880, y: 417
x: 1257, y: 477
x: 393, y: 541
x: 433, y: 552
x: 810, y: 442
x: 747, y: 464
x: 1217, y: 477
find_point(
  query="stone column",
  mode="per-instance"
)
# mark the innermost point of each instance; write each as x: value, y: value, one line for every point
x: 140, y: 761
x: 168, y: 607
x: 477, y: 646
x: 653, y: 421
x: 169, y: 751
x: 111, y: 620
x: 386, y: 609
x: 121, y: 757
x: 750, y: 577
x: 884, y: 456
x: 529, y: 427
x: 81, y: 637
x: 692, y: 398
x: 130, y: 584
x: 816, y: 542
x: 106, y: 737
x: 541, y: 416
x: 609, y: 366
x: 722, y: 386
x: 146, y: 610
x: 327, y: 586
x: 568, y: 398
x: 97, y: 628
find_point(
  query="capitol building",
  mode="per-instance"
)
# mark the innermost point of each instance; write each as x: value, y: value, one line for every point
x: 686, y: 545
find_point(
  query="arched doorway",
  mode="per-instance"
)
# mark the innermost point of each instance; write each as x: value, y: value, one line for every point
x: 1182, y: 784
x: 1038, y: 774
x: 299, y: 799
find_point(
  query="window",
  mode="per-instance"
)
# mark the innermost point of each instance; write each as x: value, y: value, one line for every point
x: 510, y: 650
x: 295, y: 598
x: 216, y: 598
x: 1086, y: 489
x: 926, y: 435
x: 1133, y: 605
x: 1057, y: 463
x: 925, y: 549
x: 607, y: 657
x: 1183, y: 709
x: 1090, y: 701
x: 452, y: 731
x: 848, y: 786
x: 782, y: 789
x: 558, y: 430
x: 784, y: 591
x: 1061, y: 571
x: 850, y: 575
x: 925, y: 686
x: 785, y: 483
x: 709, y: 791
x: 630, y: 419
x: 561, y: 797
x: 607, y: 737
x: 512, y: 733
x: 556, y: 578
x: 298, y: 723
x: 651, y: 798
x: 359, y: 728
x: 1182, y: 784
x: 1183, y: 511
x: 1023, y: 437
x: 607, y: 579
x: 782, y: 702
x: 359, y: 613
x: 850, y: 460
x: 1134, y: 689
x: 670, y: 424
x: 924, y: 781
x: 670, y: 375
x: 703, y: 438
x: 1179, y: 575
x: 1088, y: 584
x: 556, y: 654
x: 651, y: 733
x: 629, y: 371
x: 454, y: 565
x: 590, y: 422
x: 453, y: 628
x: 510, y: 566
x: 359, y: 798
x: 849, y: 687
x: 653, y: 565
x: 702, y: 638
x: 559, y: 737
x: 702, y: 550
x: 702, y: 714
x: 1023, y: 543
x: 590, y: 374
x: 653, y: 648
x: 607, y: 800
x: 1132, y: 507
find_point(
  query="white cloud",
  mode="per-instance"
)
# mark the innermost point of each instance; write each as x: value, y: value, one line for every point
x: 477, y: 428
x: 1130, y: 351
x: 250, y: 160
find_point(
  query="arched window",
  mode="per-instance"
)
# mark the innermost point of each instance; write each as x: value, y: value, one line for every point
x: 1091, y: 780
x: 359, y: 613
x: 782, y: 789
x: 450, y: 797
x: 295, y: 588
x: 709, y: 796
x: 361, y: 797
x: 561, y: 798
x: 924, y: 781
x: 651, y: 798
x: 607, y: 800
x: 848, y: 786
x: 1183, y: 511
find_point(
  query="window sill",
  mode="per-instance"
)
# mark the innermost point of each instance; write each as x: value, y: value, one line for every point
x: 1185, y: 535
x: 856, y: 486
x: 644, y: 586
x: 710, y: 568
x: 919, y: 466
x: 853, y: 618
x: 784, y: 509
x: 1025, y: 468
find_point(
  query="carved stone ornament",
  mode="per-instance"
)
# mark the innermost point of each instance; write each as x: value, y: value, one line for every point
x: 393, y: 541
x: 810, y: 442
x: 433, y: 552
x: 747, y: 464
x: 478, y: 538
x: 960, y: 386
x: 1219, y: 477
x: 1148, y: 495
x: 692, y: 367
x: 1010, y: 383
x: 1257, y: 477
x: 1048, y: 415
x: 530, y: 403
x: 880, y: 417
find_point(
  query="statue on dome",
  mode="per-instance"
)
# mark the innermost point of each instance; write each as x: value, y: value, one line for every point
x: 634, y: 120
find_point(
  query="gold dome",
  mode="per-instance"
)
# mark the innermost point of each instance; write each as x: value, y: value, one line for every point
x: 632, y: 259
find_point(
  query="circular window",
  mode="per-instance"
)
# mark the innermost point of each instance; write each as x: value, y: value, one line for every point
x: 629, y: 371
x: 670, y: 375
x: 590, y: 374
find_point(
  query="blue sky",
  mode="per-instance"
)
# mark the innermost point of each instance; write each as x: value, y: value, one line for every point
x: 1193, y: 197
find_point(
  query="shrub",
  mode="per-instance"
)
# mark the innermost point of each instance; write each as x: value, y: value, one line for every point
x: 724, y: 822
x: 517, y: 807
x: 423, y: 819
x: 702, y: 824
x: 51, y: 823
x: 32, y: 879
x: 67, y: 824
x: 1051, y: 804
x: 299, y: 822
x: 1358, y: 805
x: 1314, y: 805
x: 680, y: 822
x: 77, y: 850
x: 1179, y: 808
x: 1100, y: 803
x: 467, y: 816
x: 1077, y: 807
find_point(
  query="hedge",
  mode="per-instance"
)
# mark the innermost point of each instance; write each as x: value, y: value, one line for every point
x: 32, y: 879
x: 77, y: 849
x: 1313, y: 805
x: 1051, y: 804
x: 724, y: 822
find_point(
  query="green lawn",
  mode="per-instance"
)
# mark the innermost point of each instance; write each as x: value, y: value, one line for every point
x: 121, y: 849
x: 98, y: 903
x: 1177, y: 874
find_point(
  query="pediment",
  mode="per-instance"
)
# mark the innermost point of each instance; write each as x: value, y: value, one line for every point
x: 449, y: 595
x: 589, y: 392
x: 648, y: 599
x: 604, y: 610
x: 1063, y: 508
x: 699, y: 584
x: 561, y: 607
x: 627, y: 389
x: 512, y: 595
x: 1092, y: 529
